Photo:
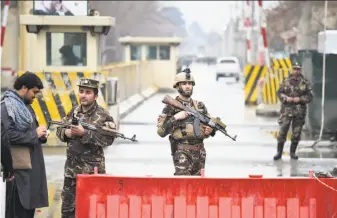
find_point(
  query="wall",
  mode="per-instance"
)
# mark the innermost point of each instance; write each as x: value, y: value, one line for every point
x: 10, y: 48
x: 133, y: 77
x: 164, y: 73
x: 10, y: 59
x: 163, y: 70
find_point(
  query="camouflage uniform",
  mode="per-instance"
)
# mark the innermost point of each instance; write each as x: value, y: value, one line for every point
x: 83, y: 153
x: 291, y: 112
x: 188, y: 152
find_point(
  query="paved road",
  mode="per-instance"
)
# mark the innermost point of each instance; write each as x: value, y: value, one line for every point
x: 251, y: 154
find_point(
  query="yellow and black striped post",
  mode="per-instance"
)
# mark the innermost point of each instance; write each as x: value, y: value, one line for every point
x: 273, y: 80
x: 280, y: 70
x: 282, y: 63
x: 252, y: 75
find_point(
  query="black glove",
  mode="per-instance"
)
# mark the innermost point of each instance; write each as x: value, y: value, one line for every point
x: 7, y: 173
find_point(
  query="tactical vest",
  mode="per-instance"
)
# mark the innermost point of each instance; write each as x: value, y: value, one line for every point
x: 185, y: 130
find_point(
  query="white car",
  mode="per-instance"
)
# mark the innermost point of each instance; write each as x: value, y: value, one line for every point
x: 228, y: 67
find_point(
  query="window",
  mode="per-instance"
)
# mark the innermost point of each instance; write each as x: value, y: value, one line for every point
x: 66, y: 49
x: 164, y: 52
x: 135, y: 52
x: 151, y: 52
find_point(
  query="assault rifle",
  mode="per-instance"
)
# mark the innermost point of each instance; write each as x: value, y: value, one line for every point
x: 102, y: 130
x: 214, y: 123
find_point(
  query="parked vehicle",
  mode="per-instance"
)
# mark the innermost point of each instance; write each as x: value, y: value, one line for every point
x: 228, y: 67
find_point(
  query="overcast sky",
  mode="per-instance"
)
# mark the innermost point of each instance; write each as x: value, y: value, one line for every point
x: 212, y: 15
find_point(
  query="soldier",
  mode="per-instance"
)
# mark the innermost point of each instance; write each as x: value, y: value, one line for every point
x: 84, y: 147
x: 294, y: 93
x: 187, y: 149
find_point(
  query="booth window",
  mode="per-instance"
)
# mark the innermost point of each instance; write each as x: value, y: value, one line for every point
x: 164, y: 52
x: 135, y: 52
x: 66, y: 49
x: 152, y: 52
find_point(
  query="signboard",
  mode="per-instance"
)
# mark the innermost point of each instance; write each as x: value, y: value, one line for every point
x: 60, y: 8
x: 328, y: 41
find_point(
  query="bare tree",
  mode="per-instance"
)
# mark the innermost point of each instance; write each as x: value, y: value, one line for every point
x: 304, y: 36
x: 132, y: 18
x: 306, y: 16
x: 282, y: 18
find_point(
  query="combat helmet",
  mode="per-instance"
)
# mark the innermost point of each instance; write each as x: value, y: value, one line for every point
x: 184, y: 76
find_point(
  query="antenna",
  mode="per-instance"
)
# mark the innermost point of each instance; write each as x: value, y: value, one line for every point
x: 188, y: 73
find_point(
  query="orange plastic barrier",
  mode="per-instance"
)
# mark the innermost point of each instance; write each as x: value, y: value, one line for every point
x: 100, y: 196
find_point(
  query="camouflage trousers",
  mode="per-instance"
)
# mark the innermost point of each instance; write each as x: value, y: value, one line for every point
x: 189, y: 162
x: 68, y: 198
x: 296, y: 124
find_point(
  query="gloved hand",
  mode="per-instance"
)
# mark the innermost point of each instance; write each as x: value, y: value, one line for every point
x: 8, y: 175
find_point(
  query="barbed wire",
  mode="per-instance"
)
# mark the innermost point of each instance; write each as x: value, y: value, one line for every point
x: 323, y: 183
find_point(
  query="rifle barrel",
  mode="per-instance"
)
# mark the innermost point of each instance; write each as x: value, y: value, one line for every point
x: 59, y: 123
x: 94, y: 128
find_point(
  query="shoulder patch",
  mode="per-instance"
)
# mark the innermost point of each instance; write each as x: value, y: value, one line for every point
x: 201, y: 105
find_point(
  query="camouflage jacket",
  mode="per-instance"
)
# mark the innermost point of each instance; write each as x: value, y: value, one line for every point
x: 181, y: 131
x: 86, y: 152
x: 295, y: 86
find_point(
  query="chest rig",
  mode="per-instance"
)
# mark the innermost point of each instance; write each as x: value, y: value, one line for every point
x: 294, y: 88
x: 184, y: 129
x: 76, y: 147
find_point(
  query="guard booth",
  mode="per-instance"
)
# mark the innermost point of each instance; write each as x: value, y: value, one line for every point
x: 312, y: 68
x: 61, y: 48
x: 162, y: 51
x: 58, y: 40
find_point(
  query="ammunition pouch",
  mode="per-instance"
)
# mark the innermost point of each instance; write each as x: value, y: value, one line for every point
x: 173, y: 146
x: 196, y: 147
x: 185, y: 131
x: 76, y: 148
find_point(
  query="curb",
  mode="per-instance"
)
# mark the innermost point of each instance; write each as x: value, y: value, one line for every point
x: 266, y: 110
x: 141, y: 98
x: 267, y: 113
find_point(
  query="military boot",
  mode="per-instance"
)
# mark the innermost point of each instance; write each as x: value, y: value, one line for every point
x: 293, y: 148
x: 280, y: 146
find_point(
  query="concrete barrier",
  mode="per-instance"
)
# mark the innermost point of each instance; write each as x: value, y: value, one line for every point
x: 155, y: 197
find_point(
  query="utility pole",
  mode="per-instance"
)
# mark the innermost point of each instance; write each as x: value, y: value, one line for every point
x: 263, y: 49
x: 249, y: 29
x: 254, y: 35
